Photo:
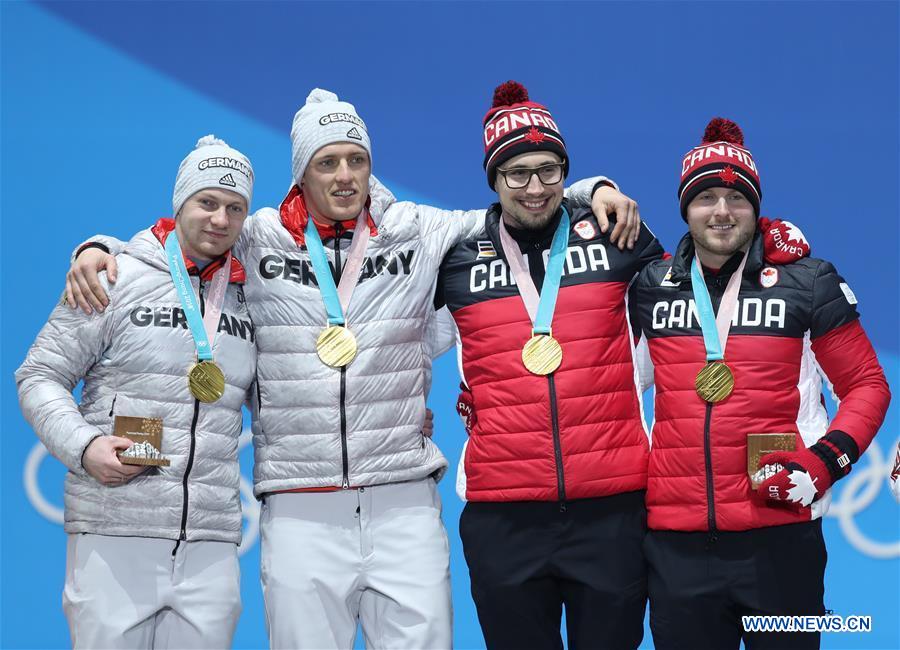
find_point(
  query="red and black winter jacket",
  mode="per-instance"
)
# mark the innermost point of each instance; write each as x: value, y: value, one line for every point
x: 792, y: 323
x: 578, y: 432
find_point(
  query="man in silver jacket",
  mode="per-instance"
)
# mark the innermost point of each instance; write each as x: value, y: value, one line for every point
x: 151, y: 556
x: 350, y: 526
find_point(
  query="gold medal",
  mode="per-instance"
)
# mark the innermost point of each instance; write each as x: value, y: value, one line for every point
x: 542, y: 354
x: 714, y: 382
x: 206, y: 381
x: 336, y: 346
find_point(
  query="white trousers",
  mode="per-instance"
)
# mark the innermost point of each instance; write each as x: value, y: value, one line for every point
x: 132, y: 592
x: 378, y: 555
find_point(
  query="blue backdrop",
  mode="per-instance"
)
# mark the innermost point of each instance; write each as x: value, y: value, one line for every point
x: 101, y: 100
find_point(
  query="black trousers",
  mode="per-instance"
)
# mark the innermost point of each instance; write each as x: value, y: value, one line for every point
x: 528, y: 559
x: 700, y: 586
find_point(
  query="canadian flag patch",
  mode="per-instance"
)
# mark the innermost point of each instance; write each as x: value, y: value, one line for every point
x: 768, y: 277
x: 585, y: 229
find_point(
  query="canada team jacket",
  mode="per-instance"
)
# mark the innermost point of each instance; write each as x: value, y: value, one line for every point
x: 578, y: 432
x: 792, y: 323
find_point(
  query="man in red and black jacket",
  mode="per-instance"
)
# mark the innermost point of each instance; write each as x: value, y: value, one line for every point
x: 720, y: 547
x: 555, y: 466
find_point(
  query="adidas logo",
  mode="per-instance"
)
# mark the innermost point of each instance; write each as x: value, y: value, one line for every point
x: 228, y: 180
x: 353, y: 133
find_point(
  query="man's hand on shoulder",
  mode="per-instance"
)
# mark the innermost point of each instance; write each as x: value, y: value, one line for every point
x: 606, y: 201
x: 83, y: 287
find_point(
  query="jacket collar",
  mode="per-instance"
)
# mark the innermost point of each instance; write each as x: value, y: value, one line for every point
x: 295, y: 216
x: 522, y: 237
x: 161, y: 230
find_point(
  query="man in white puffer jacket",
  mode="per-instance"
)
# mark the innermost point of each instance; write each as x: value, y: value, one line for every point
x: 152, y: 552
x: 350, y: 527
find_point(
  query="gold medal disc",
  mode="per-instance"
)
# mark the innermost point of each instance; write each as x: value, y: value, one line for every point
x: 206, y: 381
x: 336, y: 346
x: 542, y: 354
x: 714, y: 382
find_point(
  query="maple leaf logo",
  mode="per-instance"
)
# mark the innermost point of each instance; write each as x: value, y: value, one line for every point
x: 534, y: 136
x: 794, y: 233
x: 728, y: 176
x: 895, y: 473
x: 768, y: 272
x: 803, y: 488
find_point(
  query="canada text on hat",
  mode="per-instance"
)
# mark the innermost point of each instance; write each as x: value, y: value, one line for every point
x: 515, y: 125
x: 721, y: 160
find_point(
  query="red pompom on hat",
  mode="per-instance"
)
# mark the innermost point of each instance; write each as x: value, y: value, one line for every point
x: 721, y: 160
x: 509, y: 93
x: 721, y: 130
x: 515, y: 125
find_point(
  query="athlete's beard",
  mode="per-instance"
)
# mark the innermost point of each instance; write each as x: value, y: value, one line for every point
x: 713, y: 252
x: 530, y: 222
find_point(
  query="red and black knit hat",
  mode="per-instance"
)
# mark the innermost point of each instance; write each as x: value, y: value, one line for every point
x: 720, y: 161
x: 514, y: 126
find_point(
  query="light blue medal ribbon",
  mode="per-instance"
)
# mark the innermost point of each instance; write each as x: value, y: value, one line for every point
x: 542, y: 354
x: 336, y: 345
x: 550, y: 288
x: 715, y: 381
x: 705, y: 313
x: 189, y: 302
x: 327, y: 288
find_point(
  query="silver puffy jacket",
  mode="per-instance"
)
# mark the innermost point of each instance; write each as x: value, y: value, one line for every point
x: 134, y: 358
x: 317, y: 426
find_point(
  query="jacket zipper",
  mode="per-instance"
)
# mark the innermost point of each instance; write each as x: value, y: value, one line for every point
x: 707, y: 450
x: 190, y: 460
x: 345, y: 460
x: 258, y: 398
x: 710, y: 493
x: 536, y: 270
x: 345, y: 457
x: 557, y: 445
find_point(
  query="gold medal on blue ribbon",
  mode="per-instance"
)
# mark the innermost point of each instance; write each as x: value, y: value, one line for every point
x: 542, y: 354
x: 336, y: 344
x: 206, y: 381
x: 715, y: 381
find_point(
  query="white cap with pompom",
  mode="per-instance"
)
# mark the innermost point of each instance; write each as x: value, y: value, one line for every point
x: 324, y: 120
x: 212, y: 164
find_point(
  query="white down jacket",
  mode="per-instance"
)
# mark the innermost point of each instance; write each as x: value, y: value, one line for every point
x: 134, y: 358
x: 316, y: 426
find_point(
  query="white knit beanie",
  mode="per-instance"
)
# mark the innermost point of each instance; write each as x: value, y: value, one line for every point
x: 324, y: 120
x: 212, y: 164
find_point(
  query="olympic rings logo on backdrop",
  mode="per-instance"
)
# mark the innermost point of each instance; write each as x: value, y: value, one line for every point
x: 861, y: 487
x: 857, y: 492
x: 53, y: 513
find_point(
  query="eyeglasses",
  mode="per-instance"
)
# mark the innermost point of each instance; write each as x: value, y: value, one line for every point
x: 519, y: 177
